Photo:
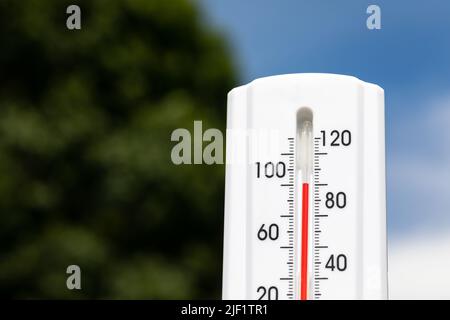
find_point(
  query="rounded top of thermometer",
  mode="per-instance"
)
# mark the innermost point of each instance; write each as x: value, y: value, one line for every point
x: 319, y: 79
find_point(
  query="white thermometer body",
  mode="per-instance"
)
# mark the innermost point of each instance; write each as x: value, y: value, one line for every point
x: 305, y: 213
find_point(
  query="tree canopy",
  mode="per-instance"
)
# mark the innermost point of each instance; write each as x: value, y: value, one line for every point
x: 85, y: 171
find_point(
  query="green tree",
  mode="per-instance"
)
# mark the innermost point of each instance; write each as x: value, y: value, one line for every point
x: 85, y: 170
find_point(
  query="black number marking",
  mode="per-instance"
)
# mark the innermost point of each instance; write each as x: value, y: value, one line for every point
x: 340, y: 200
x: 272, y: 233
x: 270, y: 293
x: 343, y: 138
x: 270, y: 169
x: 338, y: 262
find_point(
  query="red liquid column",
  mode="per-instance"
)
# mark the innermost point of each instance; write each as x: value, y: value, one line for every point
x: 304, y: 250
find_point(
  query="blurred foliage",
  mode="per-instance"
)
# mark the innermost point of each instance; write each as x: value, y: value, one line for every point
x: 85, y: 170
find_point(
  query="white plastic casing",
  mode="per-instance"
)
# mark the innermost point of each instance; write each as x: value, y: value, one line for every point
x: 359, y: 230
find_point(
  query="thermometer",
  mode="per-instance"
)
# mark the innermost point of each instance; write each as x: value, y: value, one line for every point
x: 305, y: 213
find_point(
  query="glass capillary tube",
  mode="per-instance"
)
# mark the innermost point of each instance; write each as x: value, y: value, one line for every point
x: 304, y: 161
x: 304, y: 169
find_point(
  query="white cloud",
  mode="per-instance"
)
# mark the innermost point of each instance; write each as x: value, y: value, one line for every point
x: 419, y: 174
x: 419, y: 267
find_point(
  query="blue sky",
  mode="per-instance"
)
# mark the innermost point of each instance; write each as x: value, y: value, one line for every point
x: 409, y: 57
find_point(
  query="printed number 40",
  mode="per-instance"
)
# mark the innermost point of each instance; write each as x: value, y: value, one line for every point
x: 338, y: 262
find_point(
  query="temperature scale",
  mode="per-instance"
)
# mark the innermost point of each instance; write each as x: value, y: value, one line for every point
x: 305, y: 213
